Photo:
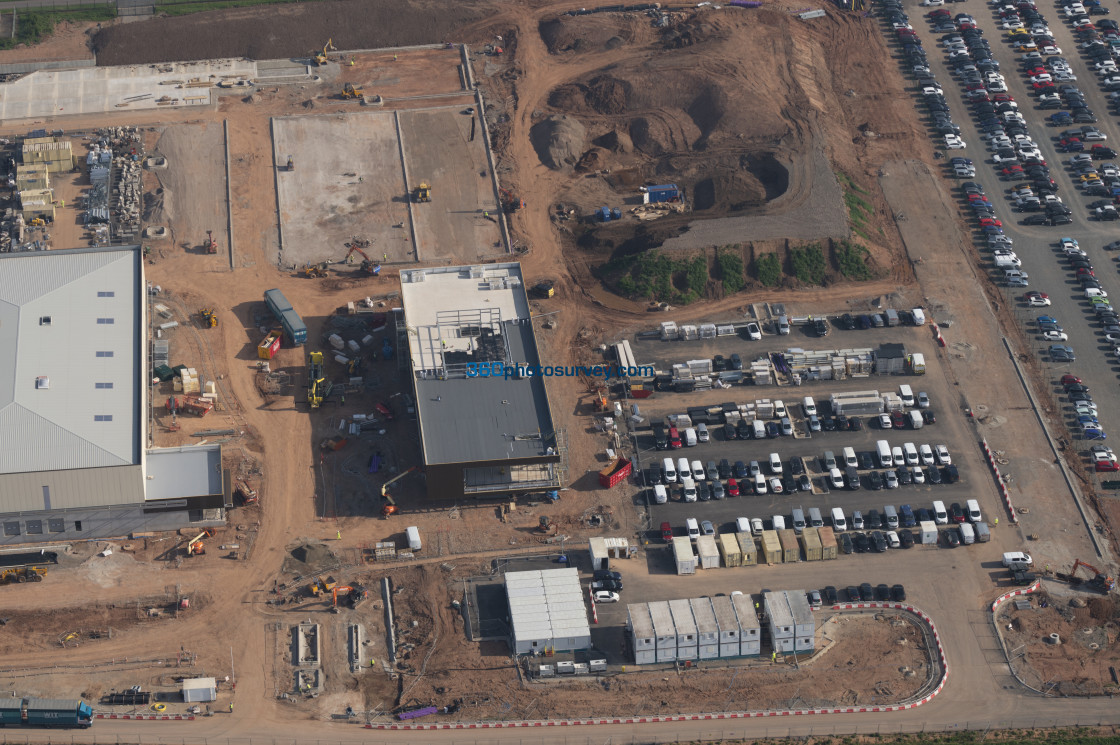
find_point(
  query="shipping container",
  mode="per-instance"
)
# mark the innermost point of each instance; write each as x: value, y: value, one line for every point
x: 750, y: 631
x: 728, y: 626
x: 747, y: 549
x: 269, y: 346
x: 707, y: 630
x: 857, y: 406
x: 683, y: 555
x: 707, y: 551
x: 729, y: 550
x: 294, y: 326
x: 811, y: 544
x: 828, y: 543
x: 771, y: 547
x: 791, y: 549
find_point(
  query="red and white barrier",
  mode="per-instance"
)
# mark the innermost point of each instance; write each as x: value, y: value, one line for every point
x: 725, y: 715
x: 1021, y: 591
x: 999, y: 479
x: 160, y: 717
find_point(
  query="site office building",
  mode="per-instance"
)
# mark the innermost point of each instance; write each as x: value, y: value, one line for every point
x: 74, y: 374
x: 481, y: 437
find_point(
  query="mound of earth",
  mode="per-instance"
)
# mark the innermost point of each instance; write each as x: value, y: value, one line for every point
x: 590, y: 34
x: 308, y: 558
x: 559, y: 141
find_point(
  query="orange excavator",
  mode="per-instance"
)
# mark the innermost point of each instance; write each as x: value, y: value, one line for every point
x: 1100, y: 582
x: 510, y: 203
x: 368, y: 266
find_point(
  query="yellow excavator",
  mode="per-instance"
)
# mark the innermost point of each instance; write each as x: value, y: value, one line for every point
x: 315, y: 270
x: 320, y: 58
x: 209, y: 319
x: 349, y: 91
x: 322, y: 585
x: 423, y: 192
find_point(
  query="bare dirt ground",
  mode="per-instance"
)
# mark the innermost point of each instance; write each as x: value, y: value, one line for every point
x: 1085, y: 660
x: 68, y: 41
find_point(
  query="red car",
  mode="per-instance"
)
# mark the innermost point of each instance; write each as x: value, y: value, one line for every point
x: 732, y: 488
x: 1012, y: 171
x: 939, y: 13
x: 1107, y: 465
x: 986, y: 221
x: 898, y: 421
x: 667, y: 532
x: 1083, y: 271
x: 1003, y: 98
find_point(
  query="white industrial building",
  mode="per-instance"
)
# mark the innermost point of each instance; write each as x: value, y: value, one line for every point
x: 791, y: 622
x: 74, y: 401
x: 696, y: 629
x: 547, y: 612
x: 604, y: 548
x: 200, y: 690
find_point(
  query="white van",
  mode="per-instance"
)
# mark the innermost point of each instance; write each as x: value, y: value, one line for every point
x: 850, y: 458
x: 692, y: 527
x: 702, y: 432
x: 973, y: 510
x: 779, y: 522
x: 906, y: 394
x: 660, y: 495
x: 968, y: 535
x: 412, y: 533
x: 689, y: 487
x: 742, y: 525
x: 911, y: 453
x: 780, y: 409
x: 883, y: 449
x: 815, y: 520
x: 919, y: 316
x: 690, y: 438
x: 897, y: 456
x: 809, y: 406
x: 759, y: 428
x: 839, y: 522
x: 669, y: 470
x: 682, y: 468
x: 697, y: 470
x: 775, y: 464
x: 940, y: 516
x: 798, y: 520
x: 890, y: 516
x: 1017, y: 558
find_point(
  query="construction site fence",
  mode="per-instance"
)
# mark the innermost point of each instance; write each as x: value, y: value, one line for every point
x: 706, y: 731
x: 121, y: 7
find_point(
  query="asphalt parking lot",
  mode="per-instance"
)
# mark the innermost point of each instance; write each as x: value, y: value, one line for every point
x: 808, y: 447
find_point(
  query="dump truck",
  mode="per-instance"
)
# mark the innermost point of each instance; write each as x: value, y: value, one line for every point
x: 322, y: 585
x: 294, y: 327
x: 423, y: 192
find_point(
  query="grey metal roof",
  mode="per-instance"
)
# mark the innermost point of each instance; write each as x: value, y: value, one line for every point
x: 545, y: 613
x: 187, y: 471
x: 64, y: 490
x: 58, y: 310
x: 459, y: 315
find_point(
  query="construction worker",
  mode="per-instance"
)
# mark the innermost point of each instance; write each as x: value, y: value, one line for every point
x: 997, y: 521
x: 385, y: 257
x: 361, y: 179
x: 773, y: 656
x: 394, y: 58
x: 230, y: 707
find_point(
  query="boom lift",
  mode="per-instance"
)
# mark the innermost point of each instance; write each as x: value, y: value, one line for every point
x: 210, y: 245
x: 391, y: 508
x: 195, y: 547
x: 1100, y: 582
x: 316, y: 383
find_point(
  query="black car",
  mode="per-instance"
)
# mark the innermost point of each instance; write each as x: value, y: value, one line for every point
x: 865, y: 461
x: 875, y: 481
x: 828, y: 424
x: 820, y: 326
x: 952, y: 540
x: 898, y: 593
x: 724, y: 469
x: 882, y: 593
x: 929, y: 417
x: 1037, y: 220
x: 719, y: 363
x: 933, y: 475
x: 653, y: 476
x: 1077, y: 388
x: 853, y: 593
x: 830, y: 595
x: 846, y: 544
x: 951, y: 475
x: 872, y: 520
x: 906, y: 538
x: 846, y: 322
x: 804, y: 483
x: 859, y: 541
x: 736, y: 362
x: 789, y: 483
x: 851, y: 478
x: 879, y: 540
x: 1102, y: 153
x: 772, y: 430
x: 924, y: 515
x: 855, y: 424
x: 742, y: 430
x: 866, y: 593
x: 703, y: 491
x: 606, y: 584
x: 607, y: 574
x: 841, y: 423
x: 905, y: 478
x: 864, y: 321
x: 660, y: 437
x: 796, y: 466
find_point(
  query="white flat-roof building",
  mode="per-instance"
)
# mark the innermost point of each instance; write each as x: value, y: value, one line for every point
x: 547, y: 611
x: 792, y: 626
x: 74, y: 375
